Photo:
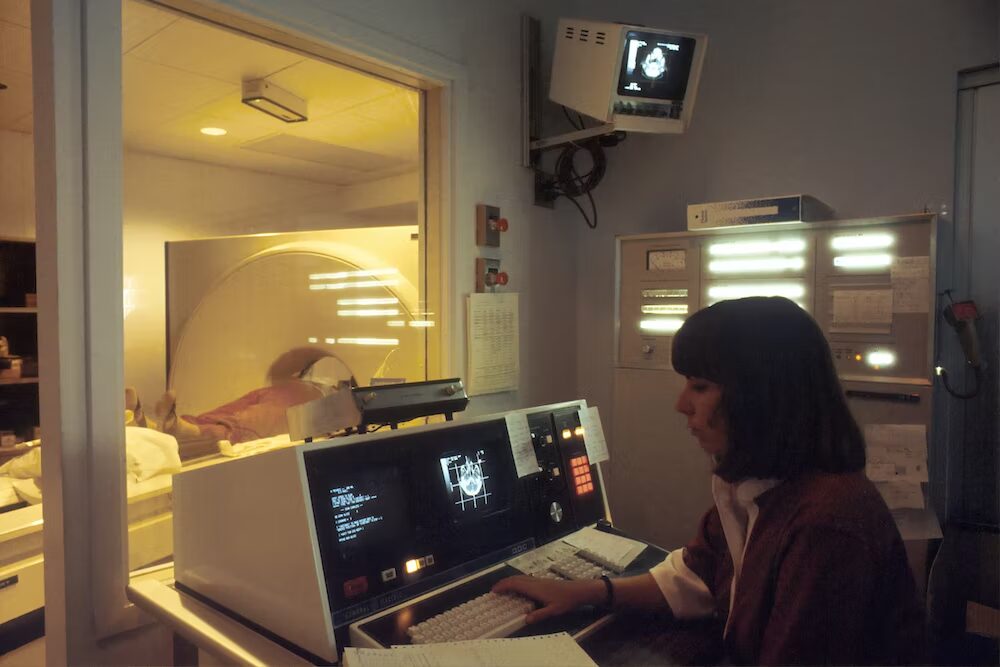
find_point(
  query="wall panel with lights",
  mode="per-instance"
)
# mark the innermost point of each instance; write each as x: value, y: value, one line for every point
x: 869, y: 285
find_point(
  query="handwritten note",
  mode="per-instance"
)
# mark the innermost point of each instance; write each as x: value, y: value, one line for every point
x: 519, y: 434
x: 862, y: 306
x: 896, y: 452
x: 911, y: 284
x: 593, y: 434
x: 901, y: 495
x: 493, y: 356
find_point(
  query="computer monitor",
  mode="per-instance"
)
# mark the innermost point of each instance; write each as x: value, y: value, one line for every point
x: 640, y: 79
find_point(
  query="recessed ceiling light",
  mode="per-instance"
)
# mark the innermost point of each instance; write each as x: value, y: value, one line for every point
x: 213, y: 131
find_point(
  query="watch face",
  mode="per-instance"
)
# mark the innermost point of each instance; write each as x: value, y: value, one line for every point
x: 665, y: 260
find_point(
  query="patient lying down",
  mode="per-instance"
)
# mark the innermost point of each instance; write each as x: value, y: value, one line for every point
x: 298, y: 376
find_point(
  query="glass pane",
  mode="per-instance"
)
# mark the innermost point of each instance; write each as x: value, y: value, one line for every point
x: 272, y: 246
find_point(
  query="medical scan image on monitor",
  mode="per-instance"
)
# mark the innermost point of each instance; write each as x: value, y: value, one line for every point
x: 367, y: 508
x: 656, y: 65
x: 471, y: 484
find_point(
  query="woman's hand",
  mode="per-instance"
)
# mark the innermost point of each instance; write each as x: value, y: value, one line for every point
x: 556, y: 597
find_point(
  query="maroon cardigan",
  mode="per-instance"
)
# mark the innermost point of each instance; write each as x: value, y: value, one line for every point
x: 824, y: 580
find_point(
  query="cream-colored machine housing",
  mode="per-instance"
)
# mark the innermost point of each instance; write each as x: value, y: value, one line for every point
x: 876, y: 308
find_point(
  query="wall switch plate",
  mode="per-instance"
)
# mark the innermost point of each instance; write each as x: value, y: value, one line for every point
x: 487, y: 271
x: 487, y: 231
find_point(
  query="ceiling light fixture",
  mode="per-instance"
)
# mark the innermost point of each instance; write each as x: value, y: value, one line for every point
x: 213, y: 131
x: 274, y: 101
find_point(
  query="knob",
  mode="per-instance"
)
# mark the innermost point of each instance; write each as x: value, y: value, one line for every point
x: 647, y: 349
x: 369, y: 397
x: 451, y: 389
x: 502, y: 278
x: 556, y: 512
x: 499, y: 225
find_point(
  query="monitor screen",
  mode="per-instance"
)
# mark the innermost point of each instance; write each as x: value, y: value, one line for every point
x: 656, y: 65
x: 472, y: 485
x: 368, y: 507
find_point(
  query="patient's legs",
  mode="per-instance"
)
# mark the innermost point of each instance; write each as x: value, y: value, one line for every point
x: 258, y: 414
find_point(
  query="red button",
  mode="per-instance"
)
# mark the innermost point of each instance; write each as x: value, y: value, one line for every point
x: 502, y: 278
x: 355, y: 587
x: 502, y: 224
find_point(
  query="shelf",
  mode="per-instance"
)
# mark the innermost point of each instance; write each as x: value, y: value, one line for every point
x: 18, y: 309
x: 4, y: 381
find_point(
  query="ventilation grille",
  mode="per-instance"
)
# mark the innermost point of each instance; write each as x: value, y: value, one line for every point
x: 583, y: 35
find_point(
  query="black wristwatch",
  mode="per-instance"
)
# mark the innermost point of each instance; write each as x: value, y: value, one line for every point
x: 609, y: 599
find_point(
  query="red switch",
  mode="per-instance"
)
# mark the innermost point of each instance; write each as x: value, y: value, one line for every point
x: 500, y: 225
x: 502, y: 278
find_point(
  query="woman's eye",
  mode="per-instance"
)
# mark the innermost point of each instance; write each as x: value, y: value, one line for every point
x: 699, y: 387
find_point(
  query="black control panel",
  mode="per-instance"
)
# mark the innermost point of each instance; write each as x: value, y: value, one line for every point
x: 400, y: 516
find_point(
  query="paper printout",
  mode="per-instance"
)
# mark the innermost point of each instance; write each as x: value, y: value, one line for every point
x: 896, y: 452
x: 493, y: 356
x: 519, y: 434
x: 593, y: 435
x: 539, y: 560
x: 911, y: 284
x: 901, y: 495
x: 613, y: 550
x: 559, y: 650
x: 862, y: 306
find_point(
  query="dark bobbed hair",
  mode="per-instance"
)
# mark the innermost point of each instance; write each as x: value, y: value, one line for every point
x: 785, y: 410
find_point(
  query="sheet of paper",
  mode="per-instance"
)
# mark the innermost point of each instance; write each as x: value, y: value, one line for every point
x: 593, y: 434
x: 914, y: 524
x: 558, y: 650
x: 492, y: 332
x: 519, y: 434
x: 911, y: 284
x: 862, y: 306
x: 612, y: 550
x: 982, y: 620
x: 896, y: 452
x: 901, y: 495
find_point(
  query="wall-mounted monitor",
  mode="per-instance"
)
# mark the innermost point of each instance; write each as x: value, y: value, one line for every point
x: 640, y: 79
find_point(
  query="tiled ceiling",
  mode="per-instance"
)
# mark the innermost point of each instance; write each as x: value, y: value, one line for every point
x: 179, y: 75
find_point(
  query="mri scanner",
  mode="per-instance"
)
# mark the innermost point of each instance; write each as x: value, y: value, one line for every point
x: 235, y: 306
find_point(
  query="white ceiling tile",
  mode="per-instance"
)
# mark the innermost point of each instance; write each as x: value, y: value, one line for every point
x: 213, y: 52
x: 140, y: 22
x: 153, y: 95
x: 327, y: 88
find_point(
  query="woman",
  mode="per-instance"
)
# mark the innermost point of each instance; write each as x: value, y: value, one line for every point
x: 800, y: 556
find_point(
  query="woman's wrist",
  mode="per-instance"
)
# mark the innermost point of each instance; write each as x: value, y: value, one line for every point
x: 593, y: 592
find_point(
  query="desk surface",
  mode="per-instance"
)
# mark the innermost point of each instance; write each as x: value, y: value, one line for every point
x: 630, y: 640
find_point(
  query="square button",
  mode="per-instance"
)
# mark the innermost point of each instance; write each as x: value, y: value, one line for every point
x: 430, y: 560
x: 389, y: 575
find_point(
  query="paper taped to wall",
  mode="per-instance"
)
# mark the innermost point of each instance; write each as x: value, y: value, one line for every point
x: 492, y: 343
x: 896, y: 452
x: 519, y: 433
x: 593, y: 434
x: 862, y: 306
x: 910, y: 285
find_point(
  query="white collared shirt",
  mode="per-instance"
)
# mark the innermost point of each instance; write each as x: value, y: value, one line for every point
x: 685, y: 592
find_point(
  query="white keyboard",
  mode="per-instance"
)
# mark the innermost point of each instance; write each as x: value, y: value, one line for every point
x: 577, y: 567
x: 485, y: 617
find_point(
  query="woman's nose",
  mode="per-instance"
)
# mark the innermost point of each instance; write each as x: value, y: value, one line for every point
x: 683, y: 405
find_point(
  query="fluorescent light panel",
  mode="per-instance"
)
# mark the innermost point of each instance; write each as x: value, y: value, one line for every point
x: 387, y: 301
x: 665, y: 309
x: 879, y: 358
x: 863, y: 261
x: 340, y: 275
x: 357, y: 284
x: 757, y: 265
x: 369, y: 312
x: 665, y: 293
x: 368, y: 341
x: 661, y: 324
x: 780, y: 246
x: 787, y: 290
x: 862, y: 242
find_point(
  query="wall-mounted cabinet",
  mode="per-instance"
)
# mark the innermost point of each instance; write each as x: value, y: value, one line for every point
x: 19, y: 327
